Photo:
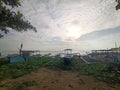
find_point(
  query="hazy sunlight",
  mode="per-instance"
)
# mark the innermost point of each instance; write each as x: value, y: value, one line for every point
x: 74, y: 32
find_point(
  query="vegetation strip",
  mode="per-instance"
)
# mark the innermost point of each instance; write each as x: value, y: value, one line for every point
x: 108, y: 73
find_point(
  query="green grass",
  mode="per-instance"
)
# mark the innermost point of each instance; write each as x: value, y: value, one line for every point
x: 4, y: 61
x: 100, y: 72
x: 16, y: 70
x: 92, y: 69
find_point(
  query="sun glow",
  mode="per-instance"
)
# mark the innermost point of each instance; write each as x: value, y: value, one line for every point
x: 74, y: 32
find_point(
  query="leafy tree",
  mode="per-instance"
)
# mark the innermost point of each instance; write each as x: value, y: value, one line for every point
x: 12, y: 19
x: 118, y: 4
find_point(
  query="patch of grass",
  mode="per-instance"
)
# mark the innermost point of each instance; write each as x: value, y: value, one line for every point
x: 99, y: 71
x: 15, y: 70
x: 70, y: 66
x: 18, y: 69
x: 92, y: 69
x: 81, y: 81
x: 70, y: 86
x: 2, y: 77
x: 52, y: 82
x: 1, y: 85
x: 17, y: 74
x: 18, y: 86
x: 45, y: 86
x: 54, y: 64
x: 4, y: 61
x: 29, y: 83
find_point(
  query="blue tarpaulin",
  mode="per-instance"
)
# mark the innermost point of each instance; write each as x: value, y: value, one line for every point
x: 16, y: 59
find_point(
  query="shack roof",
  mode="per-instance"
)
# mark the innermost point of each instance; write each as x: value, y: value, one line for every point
x: 30, y: 51
x: 67, y: 49
x: 100, y: 50
x: 115, y: 49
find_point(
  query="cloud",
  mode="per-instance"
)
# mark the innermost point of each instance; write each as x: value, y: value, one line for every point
x: 58, y: 15
x: 100, y: 33
x: 96, y: 19
x: 56, y: 40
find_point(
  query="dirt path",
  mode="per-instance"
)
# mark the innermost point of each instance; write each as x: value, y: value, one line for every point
x: 45, y: 79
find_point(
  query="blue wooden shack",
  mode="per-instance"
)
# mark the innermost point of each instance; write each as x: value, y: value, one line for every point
x: 25, y: 55
x: 16, y: 59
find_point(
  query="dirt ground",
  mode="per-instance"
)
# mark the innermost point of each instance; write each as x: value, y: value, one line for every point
x: 45, y: 79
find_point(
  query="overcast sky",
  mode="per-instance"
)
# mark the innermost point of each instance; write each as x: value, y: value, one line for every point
x: 78, y: 24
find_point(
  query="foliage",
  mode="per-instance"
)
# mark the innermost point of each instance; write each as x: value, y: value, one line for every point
x: 12, y: 19
x: 118, y: 4
x: 92, y: 69
x: 58, y: 64
x: 101, y: 72
x: 4, y: 61
x: 15, y: 70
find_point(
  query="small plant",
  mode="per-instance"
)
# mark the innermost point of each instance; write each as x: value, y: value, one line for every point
x: 29, y: 83
x: 4, y: 61
x: 70, y: 86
